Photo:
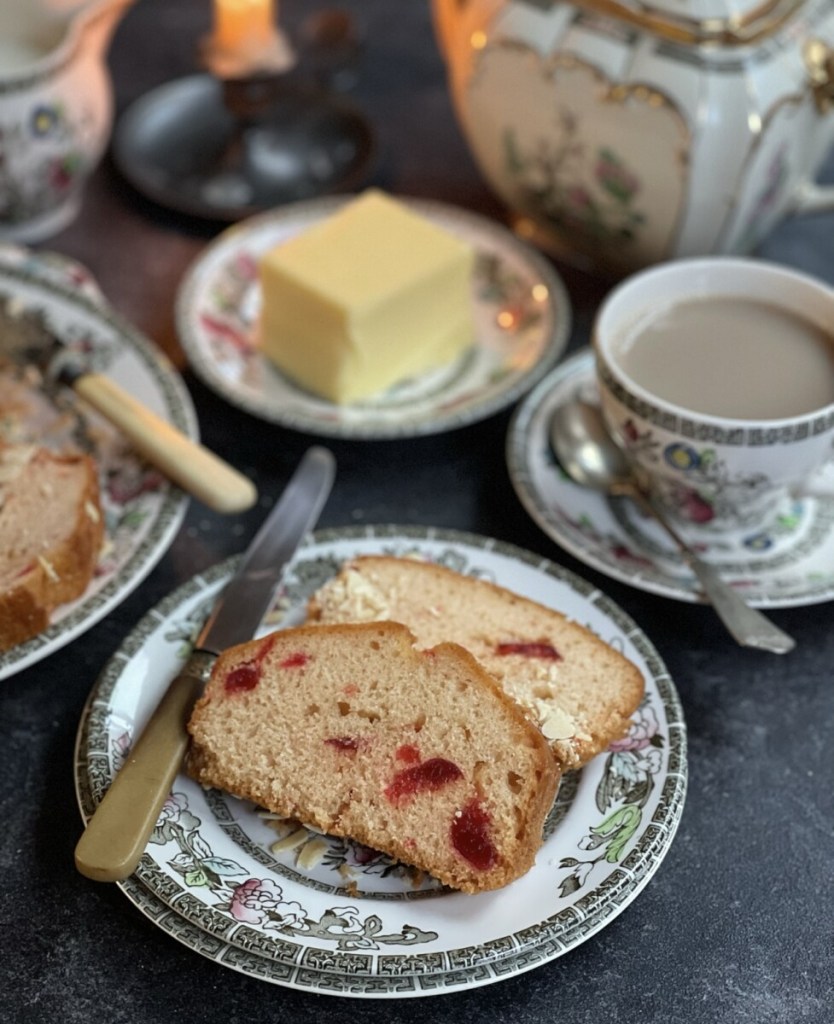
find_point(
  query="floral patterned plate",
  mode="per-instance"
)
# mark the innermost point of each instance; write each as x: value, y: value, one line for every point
x: 786, y: 561
x: 522, y: 315
x: 142, y: 510
x: 272, y: 899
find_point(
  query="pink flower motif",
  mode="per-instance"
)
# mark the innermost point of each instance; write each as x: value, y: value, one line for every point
x: 174, y: 805
x: 641, y: 733
x: 246, y: 266
x: 614, y: 178
x: 246, y: 901
x: 257, y: 899
x: 227, y: 334
x: 695, y: 508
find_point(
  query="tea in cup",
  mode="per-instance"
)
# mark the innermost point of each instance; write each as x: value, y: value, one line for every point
x: 717, y: 377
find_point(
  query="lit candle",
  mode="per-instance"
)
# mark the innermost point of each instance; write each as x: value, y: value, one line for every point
x: 243, y: 27
x: 245, y: 38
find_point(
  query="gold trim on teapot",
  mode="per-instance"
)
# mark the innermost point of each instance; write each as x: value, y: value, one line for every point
x: 732, y: 30
x: 819, y: 60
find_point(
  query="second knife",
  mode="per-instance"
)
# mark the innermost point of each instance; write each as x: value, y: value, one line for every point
x: 26, y: 339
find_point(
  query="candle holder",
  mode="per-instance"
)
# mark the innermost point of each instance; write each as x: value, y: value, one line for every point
x: 235, y: 141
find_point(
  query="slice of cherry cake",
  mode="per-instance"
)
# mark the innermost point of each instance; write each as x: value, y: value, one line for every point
x: 352, y: 730
x: 579, y: 690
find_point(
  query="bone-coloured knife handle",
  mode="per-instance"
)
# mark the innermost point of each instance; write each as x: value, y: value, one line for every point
x: 188, y: 464
x: 112, y: 845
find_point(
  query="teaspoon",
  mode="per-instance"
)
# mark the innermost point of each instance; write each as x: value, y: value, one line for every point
x: 591, y: 457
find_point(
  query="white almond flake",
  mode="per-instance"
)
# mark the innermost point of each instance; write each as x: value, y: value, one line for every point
x: 558, y: 726
x: 49, y: 569
x: 312, y: 854
x: 291, y: 842
x: 353, y: 598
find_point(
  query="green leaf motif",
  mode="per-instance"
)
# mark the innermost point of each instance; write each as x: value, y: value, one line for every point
x: 221, y: 866
x: 618, y: 828
x: 196, y: 878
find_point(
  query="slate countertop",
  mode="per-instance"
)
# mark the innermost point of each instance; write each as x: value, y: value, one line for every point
x: 736, y: 925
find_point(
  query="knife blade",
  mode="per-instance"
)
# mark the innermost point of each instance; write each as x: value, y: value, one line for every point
x: 112, y: 844
x: 26, y: 339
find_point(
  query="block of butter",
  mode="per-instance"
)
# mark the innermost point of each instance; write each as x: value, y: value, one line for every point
x: 369, y: 296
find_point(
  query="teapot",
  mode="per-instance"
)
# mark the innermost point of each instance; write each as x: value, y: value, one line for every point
x: 621, y: 133
x: 56, y: 109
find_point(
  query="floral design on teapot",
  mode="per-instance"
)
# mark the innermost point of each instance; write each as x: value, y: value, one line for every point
x: 552, y: 178
x: 576, y: 167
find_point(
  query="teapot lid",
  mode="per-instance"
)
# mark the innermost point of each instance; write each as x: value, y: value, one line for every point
x: 726, y: 22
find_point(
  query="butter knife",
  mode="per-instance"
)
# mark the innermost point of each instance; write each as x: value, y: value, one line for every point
x: 117, y: 833
x: 26, y: 339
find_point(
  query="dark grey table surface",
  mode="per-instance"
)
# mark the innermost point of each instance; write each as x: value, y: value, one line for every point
x: 736, y: 925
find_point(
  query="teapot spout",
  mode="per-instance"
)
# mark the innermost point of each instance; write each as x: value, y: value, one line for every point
x: 96, y: 21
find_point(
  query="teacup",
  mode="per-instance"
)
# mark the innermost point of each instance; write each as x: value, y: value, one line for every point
x: 717, y: 376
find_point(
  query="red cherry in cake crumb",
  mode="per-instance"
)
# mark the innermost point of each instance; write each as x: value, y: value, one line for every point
x: 471, y: 836
x: 245, y: 677
x: 408, y: 753
x: 297, y: 660
x: 530, y: 650
x: 347, y: 744
x: 429, y: 776
x: 248, y: 675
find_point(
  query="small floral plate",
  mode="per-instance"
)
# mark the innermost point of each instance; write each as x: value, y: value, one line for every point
x: 522, y: 316
x: 788, y: 560
x: 142, y: 510
x: 268, y: 897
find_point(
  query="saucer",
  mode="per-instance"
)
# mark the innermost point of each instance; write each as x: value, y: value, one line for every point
x: 788, y: 561
x: 521, y: 310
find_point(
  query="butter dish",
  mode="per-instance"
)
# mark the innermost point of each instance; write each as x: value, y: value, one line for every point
x: 520, y: 309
